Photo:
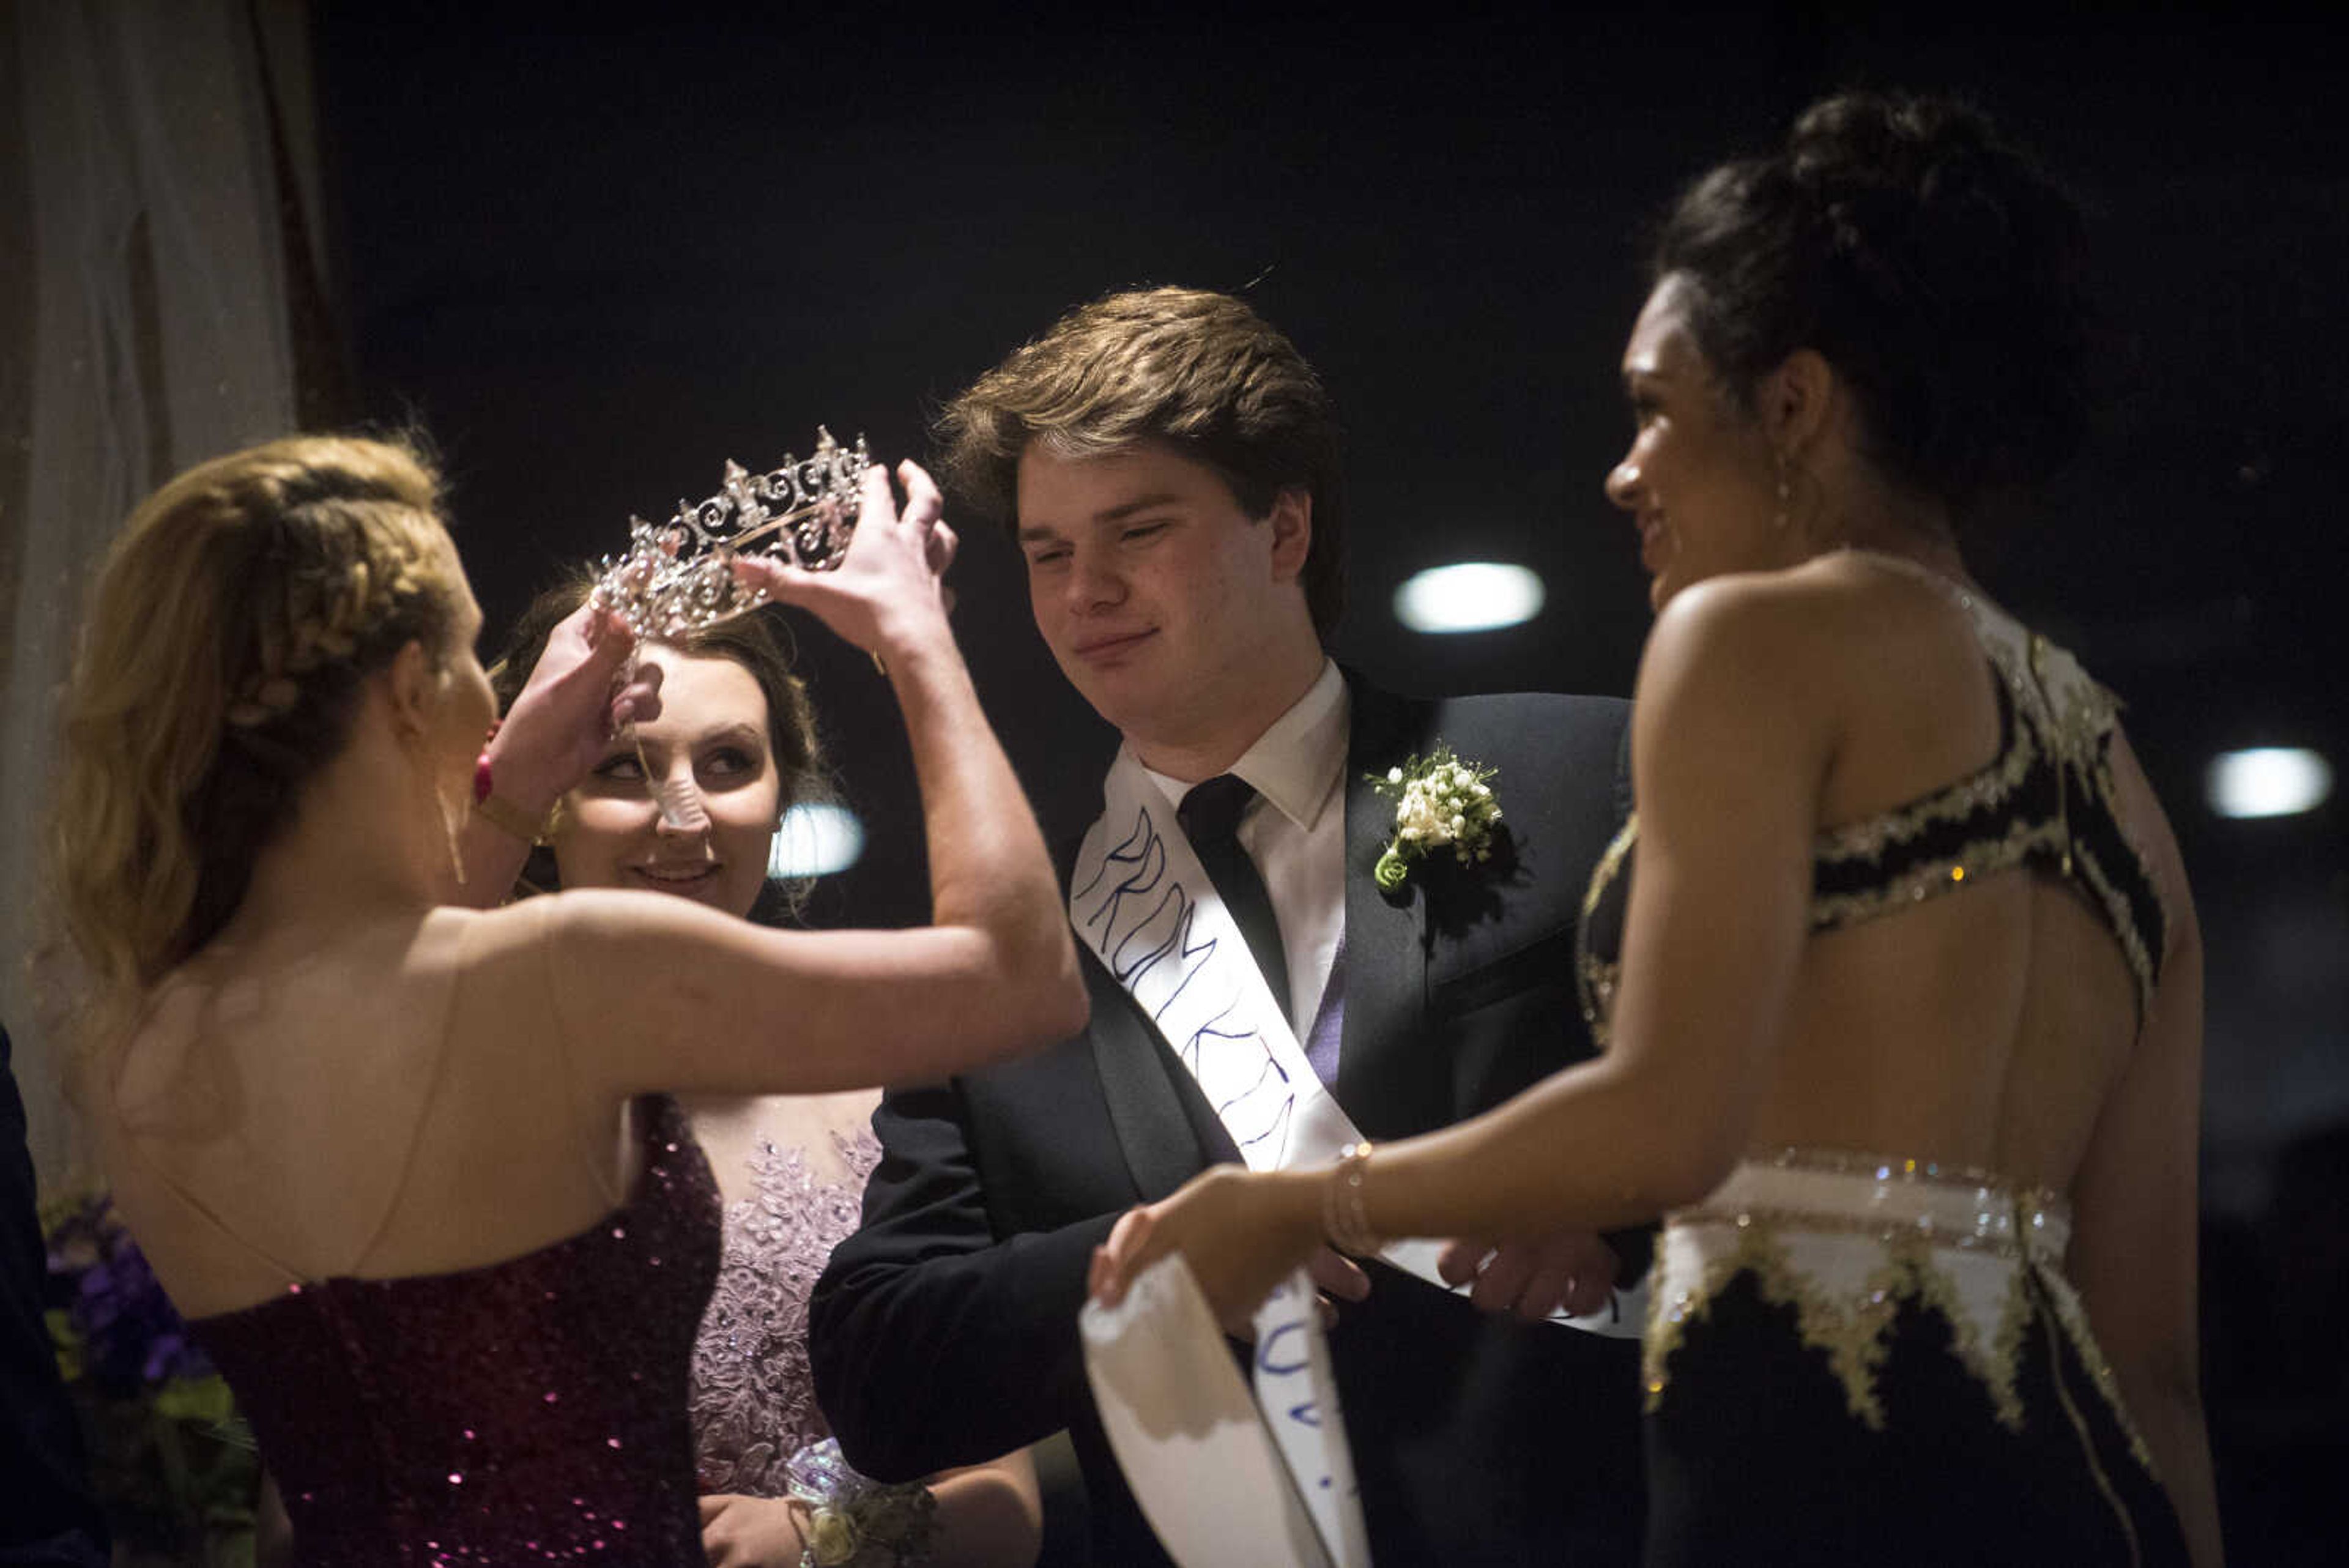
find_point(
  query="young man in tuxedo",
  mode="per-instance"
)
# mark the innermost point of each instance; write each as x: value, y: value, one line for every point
x: 1168, y: 463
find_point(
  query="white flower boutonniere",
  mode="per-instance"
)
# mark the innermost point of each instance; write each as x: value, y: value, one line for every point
x: 1440, y: 800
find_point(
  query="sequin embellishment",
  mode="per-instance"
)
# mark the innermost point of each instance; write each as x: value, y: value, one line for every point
x: 2047, y: 801
x: 528, y: 1411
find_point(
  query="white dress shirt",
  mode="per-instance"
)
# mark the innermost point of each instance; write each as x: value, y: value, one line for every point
x: 1294, y: 831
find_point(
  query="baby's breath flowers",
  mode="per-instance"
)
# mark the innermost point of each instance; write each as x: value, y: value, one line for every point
x: 849, y: 1521
x: 1440, y: 800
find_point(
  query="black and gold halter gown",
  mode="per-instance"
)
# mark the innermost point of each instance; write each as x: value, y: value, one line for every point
x: 1857, y: 1357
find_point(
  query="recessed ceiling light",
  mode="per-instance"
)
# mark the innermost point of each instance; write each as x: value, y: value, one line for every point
x: 1469, y: 595
x: 2268, y: 781
x: 816, y: 839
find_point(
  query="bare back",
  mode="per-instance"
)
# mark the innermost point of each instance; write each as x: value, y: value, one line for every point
x: 1979, y: 1007
x: 387, y: 1099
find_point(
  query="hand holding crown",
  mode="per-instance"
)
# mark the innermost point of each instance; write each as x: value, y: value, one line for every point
x: 791, y: 536
x: 887, y: 593
x: 678, y: 575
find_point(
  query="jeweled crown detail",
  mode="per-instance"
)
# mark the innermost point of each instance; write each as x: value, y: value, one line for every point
x: 678, y: 575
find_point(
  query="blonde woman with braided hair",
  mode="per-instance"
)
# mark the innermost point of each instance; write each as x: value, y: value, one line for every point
x: 407, y: 1165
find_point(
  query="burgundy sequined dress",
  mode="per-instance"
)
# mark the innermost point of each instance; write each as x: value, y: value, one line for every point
x: 534, y: 1410
x: 753, y: 1396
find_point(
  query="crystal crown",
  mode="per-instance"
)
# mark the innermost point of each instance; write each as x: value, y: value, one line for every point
x: 678, y: 575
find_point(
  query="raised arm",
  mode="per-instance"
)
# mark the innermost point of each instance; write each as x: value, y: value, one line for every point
x: 557, y: 729
x: 2137, y: 1202
x: 657, y: 994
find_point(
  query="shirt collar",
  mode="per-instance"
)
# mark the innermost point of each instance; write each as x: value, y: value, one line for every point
x: 1297, y: 762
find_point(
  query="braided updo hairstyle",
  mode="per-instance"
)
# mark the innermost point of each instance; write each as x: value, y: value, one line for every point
x: 1925, y: 257
x: 221, y: 662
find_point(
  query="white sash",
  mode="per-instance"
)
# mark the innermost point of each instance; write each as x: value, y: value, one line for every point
x: 1221, y: 1477
x: 1140, y: 899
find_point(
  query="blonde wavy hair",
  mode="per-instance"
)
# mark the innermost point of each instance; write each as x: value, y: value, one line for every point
x: 220, y: 666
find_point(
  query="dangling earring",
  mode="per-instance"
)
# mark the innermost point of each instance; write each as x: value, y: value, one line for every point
x: 1779, y: 519
x: 449, y: 825
x: 449, y: 820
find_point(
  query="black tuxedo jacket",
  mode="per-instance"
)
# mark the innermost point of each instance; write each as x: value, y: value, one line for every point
x: 944, y: 1331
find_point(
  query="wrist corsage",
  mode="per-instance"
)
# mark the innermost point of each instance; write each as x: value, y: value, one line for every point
x: 854, y: 1521
x: 1440, y: 801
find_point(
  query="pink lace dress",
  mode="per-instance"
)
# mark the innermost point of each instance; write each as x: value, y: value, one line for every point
x: 753, y: 1400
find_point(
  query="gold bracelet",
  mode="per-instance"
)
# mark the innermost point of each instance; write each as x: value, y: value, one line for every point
x: 1344, y: 1219
x: 511, y: 819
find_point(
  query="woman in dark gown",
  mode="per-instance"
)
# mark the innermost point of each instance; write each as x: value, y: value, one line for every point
x: 1905, y: 997
x: 407, y: 1167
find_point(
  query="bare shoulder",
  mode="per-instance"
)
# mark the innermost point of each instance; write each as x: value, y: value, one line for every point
x: 1774, y: 635
x: 1735, y: 667
x: 574, y: 932
x: 1865, y: 676
x: 1880, y: 601
x: 507, y: 934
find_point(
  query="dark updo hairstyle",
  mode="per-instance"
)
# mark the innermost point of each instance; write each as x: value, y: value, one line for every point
x: 1929, y: 260
x: 750, y: 640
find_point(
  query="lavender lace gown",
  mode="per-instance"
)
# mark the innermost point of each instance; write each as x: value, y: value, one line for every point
x: 753, y: 1399
x: 530, y: 1411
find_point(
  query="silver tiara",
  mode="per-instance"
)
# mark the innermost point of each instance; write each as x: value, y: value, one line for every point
x: 678, y: 575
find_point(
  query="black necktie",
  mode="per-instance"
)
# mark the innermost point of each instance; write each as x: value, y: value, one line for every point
x: 1210, y: 815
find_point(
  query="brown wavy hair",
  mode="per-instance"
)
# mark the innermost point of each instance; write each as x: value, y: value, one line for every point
x: 1200, y: 372
x: 754, y: 641
x: 221, y: 661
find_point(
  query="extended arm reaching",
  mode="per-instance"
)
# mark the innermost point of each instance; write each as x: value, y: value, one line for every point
x: 1727, y: 758
x: 658, y: 993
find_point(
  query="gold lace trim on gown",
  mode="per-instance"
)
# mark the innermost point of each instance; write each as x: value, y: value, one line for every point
x: 1845, y: 1239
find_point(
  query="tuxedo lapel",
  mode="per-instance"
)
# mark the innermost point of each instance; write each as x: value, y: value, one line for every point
x: 1162, y: 1123
x: 1386, y: 945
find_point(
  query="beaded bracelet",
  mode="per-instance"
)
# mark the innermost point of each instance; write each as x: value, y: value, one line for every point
x: 1344, y: 1219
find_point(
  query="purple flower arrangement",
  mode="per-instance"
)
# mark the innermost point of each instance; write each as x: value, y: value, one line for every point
x: 124, y: 1332
x: 172, y: 1466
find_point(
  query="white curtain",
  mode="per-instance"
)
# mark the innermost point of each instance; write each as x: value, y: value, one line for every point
x: 143, y: 297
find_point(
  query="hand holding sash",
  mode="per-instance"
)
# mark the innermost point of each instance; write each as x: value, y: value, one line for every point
x: 1242, y: 1231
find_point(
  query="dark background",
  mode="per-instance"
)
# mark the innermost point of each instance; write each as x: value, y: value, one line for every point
x: 594, y: 259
